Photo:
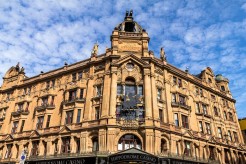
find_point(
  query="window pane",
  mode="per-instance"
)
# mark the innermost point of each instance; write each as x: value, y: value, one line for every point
x: 78, y: 115
x: 130, y: 90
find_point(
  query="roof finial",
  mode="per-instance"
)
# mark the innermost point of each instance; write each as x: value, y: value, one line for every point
x: 163, y: 54
x: 94, y: 50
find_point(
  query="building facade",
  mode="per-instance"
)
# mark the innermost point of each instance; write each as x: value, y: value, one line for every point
x: 122, y: 106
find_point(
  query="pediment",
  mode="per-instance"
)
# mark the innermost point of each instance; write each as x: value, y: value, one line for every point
x: 188, y: 133
x: 34, y: 134
x: 9, y: 138
x: 133, y: 59
x: 64, y: 129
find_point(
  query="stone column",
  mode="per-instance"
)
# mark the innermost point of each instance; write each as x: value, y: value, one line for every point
x: 149, y: 140
x: 113, y: 91
x: 49, y: 150
x: 147, y: 94
x: 14, y: 151
x: 83, y: 142
x: 72, y: 145
x: 102, y: 140
x: 106, y: 95
x: 89, y: 95
x: 155, y: 109
x: 40, y: 148
x: 157, y: 143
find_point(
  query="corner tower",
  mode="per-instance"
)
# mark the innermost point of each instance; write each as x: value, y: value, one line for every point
x: 129, y: 37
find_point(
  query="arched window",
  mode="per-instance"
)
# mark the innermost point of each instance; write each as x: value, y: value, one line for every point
x: 129, y: 141
x: 95, y: 145
x: 163, y: 146
x: 216, y: 113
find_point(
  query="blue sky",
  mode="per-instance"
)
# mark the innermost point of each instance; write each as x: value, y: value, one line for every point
x: 43, y: 34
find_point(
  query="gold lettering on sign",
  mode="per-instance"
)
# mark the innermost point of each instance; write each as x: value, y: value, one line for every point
x: 135, y: 47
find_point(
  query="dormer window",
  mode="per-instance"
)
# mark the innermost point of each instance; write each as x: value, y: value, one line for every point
x: 222, y: 88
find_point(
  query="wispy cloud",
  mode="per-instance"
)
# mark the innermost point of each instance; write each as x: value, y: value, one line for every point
x: 42, y: 35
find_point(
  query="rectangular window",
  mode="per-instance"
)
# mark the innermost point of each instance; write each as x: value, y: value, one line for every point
x: 174, y: 80
x: 201, y: 92
x: 72, y: 95
x: 20, y: 107
x: 47, y: 84
x: 74, y: 77
x: 230, y: 116
x: 179, y: 82
x: 52, y: 101
x: 44, y: 101
x: 185, y: 123
x: 187, y: 151
x: 14, y: 127
x: 81, y: 95
x: 53, y: 83
x: 99, y: 90
x: 118, y: 108
x: 204, y: 108
x: 181, y: 100
x: 27, y: 106
x: 174, y: 97
x: 213, y: 97
x: 119, y: 89
x: 97, y: 113
x: 229, y: 135
x: 197, y: 108
x: 197, y: 91
x: 176, y: 119
x: 201, y: 127
x: 40, y: 122
x: 208, y: 128
x: 219, y: 132
x: 22, y: 125
x: 78, y: 116
x: 225, y: 115
x: 69, y: 117
x: 28, y: 90
x: 24, y: 91
x: 48, y: 121
x: 80, y: 75
x: 158, y: 93
x: 161, y: 115
x: 235, y: 136
x: 140, y: 90
x: 141, y: 114
x: 216, y: 113
x: 8, y: 151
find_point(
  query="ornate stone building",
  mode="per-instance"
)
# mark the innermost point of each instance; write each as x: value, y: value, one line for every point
x: 125, y: 105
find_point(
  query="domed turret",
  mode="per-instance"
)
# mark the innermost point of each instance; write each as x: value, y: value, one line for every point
x: 129, y: 37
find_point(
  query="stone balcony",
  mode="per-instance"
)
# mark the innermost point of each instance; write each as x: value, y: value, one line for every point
x: 72, y: 101
x: 20, y: 112
x: 42, y: 107
x: 181, y: 105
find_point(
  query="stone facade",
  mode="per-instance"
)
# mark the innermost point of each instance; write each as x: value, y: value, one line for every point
x: 124, y: 98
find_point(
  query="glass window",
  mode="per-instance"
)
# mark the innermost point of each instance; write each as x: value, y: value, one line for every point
x: 179, y: 82
x: 208, y: 128
x: 44, y: 101
x: 47, y: 84
x: 20, y: 107
x: 161, y: 115
x: 213, y: 97
x: 181, y: 99
x: 99, y: 90
x: 204, y: 107
x: 48, y: 121
x: 81, y: 95
x: 201, y: 92
x: 22, y: 125
x: 8, y: 151
x: 129, y: 141
x: 69, y: 117
x: 176, y: 119
x: 118, y: 109
x: 185, y: 123
x: 173, y: 97
x: 174, y: 80
x: 95, y: 145
x: 229, y: 135
x: 235, y: 136
x: 78, y: 116
x: 80, y: 74
x: 53, y: 83
x: 223, y: 88
x: 119, y: 89
x: 187, y: 151
x: 158, y: 93
x: 216, y: 111
x: 97, y: 113
x: 197, y: 108
x: 130, y: 90
x: 225, y: 115
x: 140, y: 90
x: 197, y: 91
x: 201, y: 127
x: 74, y: 77
x: 72, y: 95
x: 14, y: 127
x: 230, y: 116
x: 40, y: 122
x: 219, y: 132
